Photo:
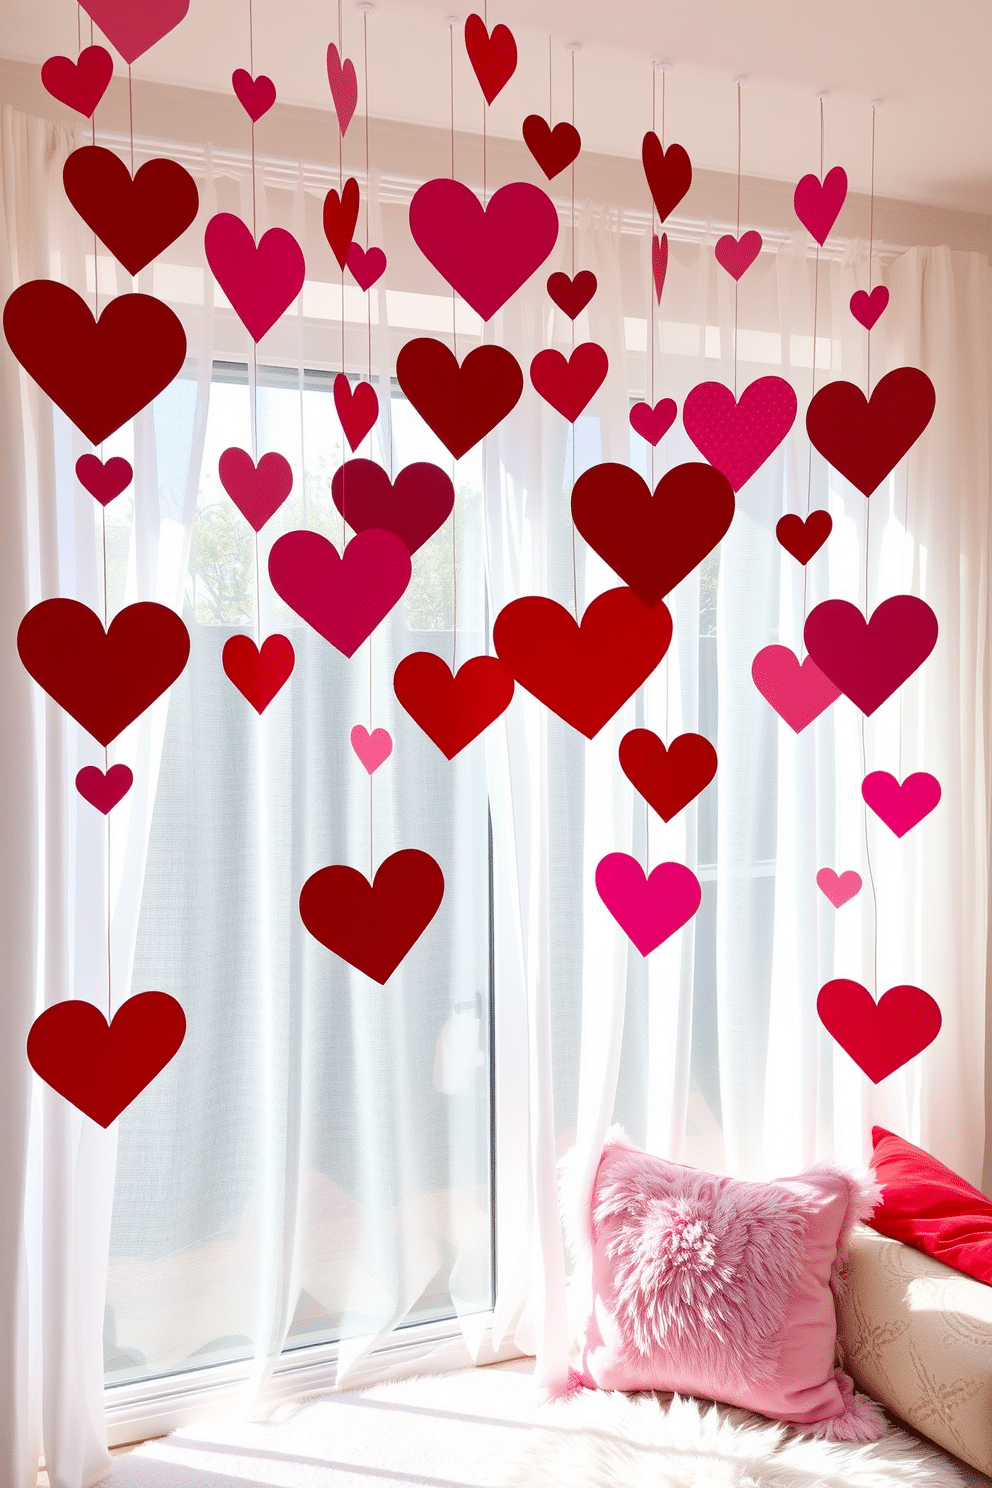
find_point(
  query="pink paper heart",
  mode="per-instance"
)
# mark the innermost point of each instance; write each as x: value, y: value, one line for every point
x: 870, y: 660
x: 344, y: 87
x: 358, y: 408
x: 366, y: 264
x: 736, y: 255
x: 797, y: 693
x: 738, y: 437
x: 259, y: 491
x: 659, y: 262
x: 104, y: 481
x: 79, y: 84
x: 133, y: 28
x: 104, y: 790
x: 866, y: 308
x: 653, y: 423
x: 818, y: 205
x: 343, y: 598
x: 255, y: 95
x: 839, y: 887
x: 485, y: 254
x: 651, y: 909
x: 260, y: 282
x: 372, y: 749
x: 901, y: 806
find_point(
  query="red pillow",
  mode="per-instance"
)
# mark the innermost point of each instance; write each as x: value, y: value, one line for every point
x: 926, y: 1205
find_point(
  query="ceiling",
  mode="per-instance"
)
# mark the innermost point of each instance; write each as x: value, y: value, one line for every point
x: 926, y: 64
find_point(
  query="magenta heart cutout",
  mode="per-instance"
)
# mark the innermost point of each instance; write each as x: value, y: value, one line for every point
x: 255, y: 95
x: 659, y: 262
x: 867, y: 308
x: 79, y: 84
x: 839, y: 887
x: 104, y: 481
x: 133, y: 28
x: 104, y: 790
x: 260, y: 282
x: 413, y: 506
x: 879, y: 1036
x: 736, y: 255
x: 259, y: 491
x: 818, y: 205
x: 653, y: 423
x: 901, y: 806
x: 366, y: 265
x: 343, y: 598
x: 358, y: 408
x: 372, y: 749
x: 738, y: 437
x: 648, y: 910
x: 485, y: 254
x: 869, y: 660
x: 797, y: 693
x: 344, y: 87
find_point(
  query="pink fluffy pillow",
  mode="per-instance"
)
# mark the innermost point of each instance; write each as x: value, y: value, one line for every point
x: 719, y: 1288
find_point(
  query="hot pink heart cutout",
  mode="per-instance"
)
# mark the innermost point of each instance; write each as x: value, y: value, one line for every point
x: 133, y: 28
x: 358, y: 408
x: 260, y: 282
x: 736, y: 255
x: 738, y: 437
x: 366, y: 264
x: 659, y: 262
x: 104, y: 481
x: 344, y: 87
x: 255, y: 95
x: 797, y: 693
x: 485, y: 254
x: 104, y: 790
x: 870, y: 660
x: 343, y: 598
x: 653, y: 423
x: 257, y: 492
x: 818, y: 205
x: 569, y: 384
x: 880, y: 1037
x: 372, y: 749
x: 867, y: 308
x: 79, y: 84
x: 648, y: 910
x: 839, y: 887
x: 901, y: 806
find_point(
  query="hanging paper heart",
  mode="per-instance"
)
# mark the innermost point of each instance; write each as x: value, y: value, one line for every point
x: 653, y: 423
x: 818, y: 206
x: 134, y: 28
x: 258, y: 674
x: 584, y: 673
x: 738, y: 437
x: 103, y: 678
x: 137, y: 219
x: 572, y: 295
x: 839, y: 888
x: 652, y: 542
x: 879, y: 1036
x: 98, y: 1067
x: 461, y: 403
x: 79, y: 84
x: 104, y: 481
x: 668, y: 779
x: 648, y: 910
x: 866, y: 308
x: 804, y: 539
x: 343, y: 598
x: 659, y: 262
x: 367, y: 265
x: 869, y: 660
x: 104, y: 790
x: 797, y: 693
x: 901, y: 806
x: 452, y: 710
x: 99, y: 372
x: 570, y: 384
x: 260, y: 281
x: 493, y: 57
x: 736, y: 255
x: 343, y: 80
x: 553, y: 149
x: 865, y: 438
x: 485, y: 253
x: 668, y: 173
x: 413, y: 506
x: 358, y: 408
x: 373, y: 925
x: 257, y: 492
x: 255, y: 95
x: 372, y: 749
x: 340, y: 218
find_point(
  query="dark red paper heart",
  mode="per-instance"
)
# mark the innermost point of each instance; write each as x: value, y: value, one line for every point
x: 413, y: 506
x: 340, y: 218
x: 80, y: 84
x: 461, y: 403
x: 668, y: 779
x: 584, y: 673
x: 804, y: 539
x: 668, y: 173
x: 553, y: 149
x: 570, y: 383
x: 357, y: 408
x: 101, y: 1068
x: 652, y: 542
x: 99, y: 372
x: 104, y: 790
x: 865, y: 438
x: 572, y: 295
x: 255, y: 95
x: 104, y: 481
x: 493, y: 57
x: 373, y: 925
x: 880, y: 1037
x: 452, y: 710
x: 136, y: 219
x: 869, y: 660
x: 257, y: 491
x: 258, y: 674
x: 103, y: 679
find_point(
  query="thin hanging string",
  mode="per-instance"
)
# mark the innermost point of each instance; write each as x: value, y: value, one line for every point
x: 454, y: 347
x: 812, y: 390
x: 737, y: 281
x: 575, y: 580
x: 871, y: 239
x: 130, y: 114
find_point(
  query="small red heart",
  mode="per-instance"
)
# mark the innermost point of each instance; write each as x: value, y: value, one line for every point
x: 413, y: 506
x: 358, y: 408
x: 736, y: 255
x: 668, y: 779
x: 804, y: 539
x: 255, y: 95
x: 866, y: 308
x: 79, y: 84
x: 818, y: 204
x: 258, y: 674
x: 259, y: 491
x: 653, y: 423
x: 373, y: 926
x: 104, y: 481
x: 493, y: 57
x: 659, y: 262
x: 668, y: 173
x: 343, y: 597
x: 865, y: 438
x: 879, y: 1036
x: 261, y: 279
x: 367, y: 265
x: 553, y: 149
x: 572, y: 295
x: 340, y: 218
x: 569, y: 385
x: 461, y: 403
x: 452, y: 710
x: 104, y: 790
x: 136, y: 218
x: 343, y: 81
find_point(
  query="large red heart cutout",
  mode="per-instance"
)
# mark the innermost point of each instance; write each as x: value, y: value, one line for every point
x: 99, y: 372
x: 340, y: 217
x: 80, y: 84
x: 572, y: 295
x: 103, y: 678
x: 738, y: 437
x: 258, y: 674
x: 260, y: 281
x: 373, y: 925
x: 804, y: 539
x: 584, y: 673
x: 652, y: 542
x: 343, y: 598
x: 98, y: 1067
x: 257, y: 491
x: 668, y: 173
x: 668, y: 779
x: 865, y: 438
x: 134, y: 28
x: 569, y: 384
x: 869, y: 660
x: 879, y: 1036
x: 553, y: 149
x: 493, y: 58
x: 136, y: 218
x: 460, y: 403
x: 452, y: 710
x: 413, y: 506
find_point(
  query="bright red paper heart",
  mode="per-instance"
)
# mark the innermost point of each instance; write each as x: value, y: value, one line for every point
x: 373, y: 925
x: 79, y: 84
x: 818, y: 205
x: 452, y: 710
x: 493, y: 57
x: 901, y: 806
x: 569, y: 384
x: 804, y: 539
x: 870, y: 659
x: 358, y: 408
x: 652, y: 542
x: 865, y: 438
x: 104, y: 481
x: 866, y: 308
x: 668, y: 779
x: 799, y: 694
x: 485, y: 254
x: 255, y: 95
x: 134, y: 28
x: 98, y: 1067
x: 736, y: 255
x: 584, y: 673
x: 103, y: 678
x: 257, y: 492
x: 461, y: 403
x: 653, y: 423
x: 668, y: 173
x: 104, y: 790
x: 258, y: 674
x: 367, y: 265
x: 137, y: 219
x: 879, y: 1036
x: 659, y: 262
x: 340, y: 218
x: 343, y: 598
x: 572, y: 295
x: 413, y: 506
x: 738, y: 437
x: 553, y: 149
x: 99, y: 372
x: 260, y: 281
x: 343, y: 81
